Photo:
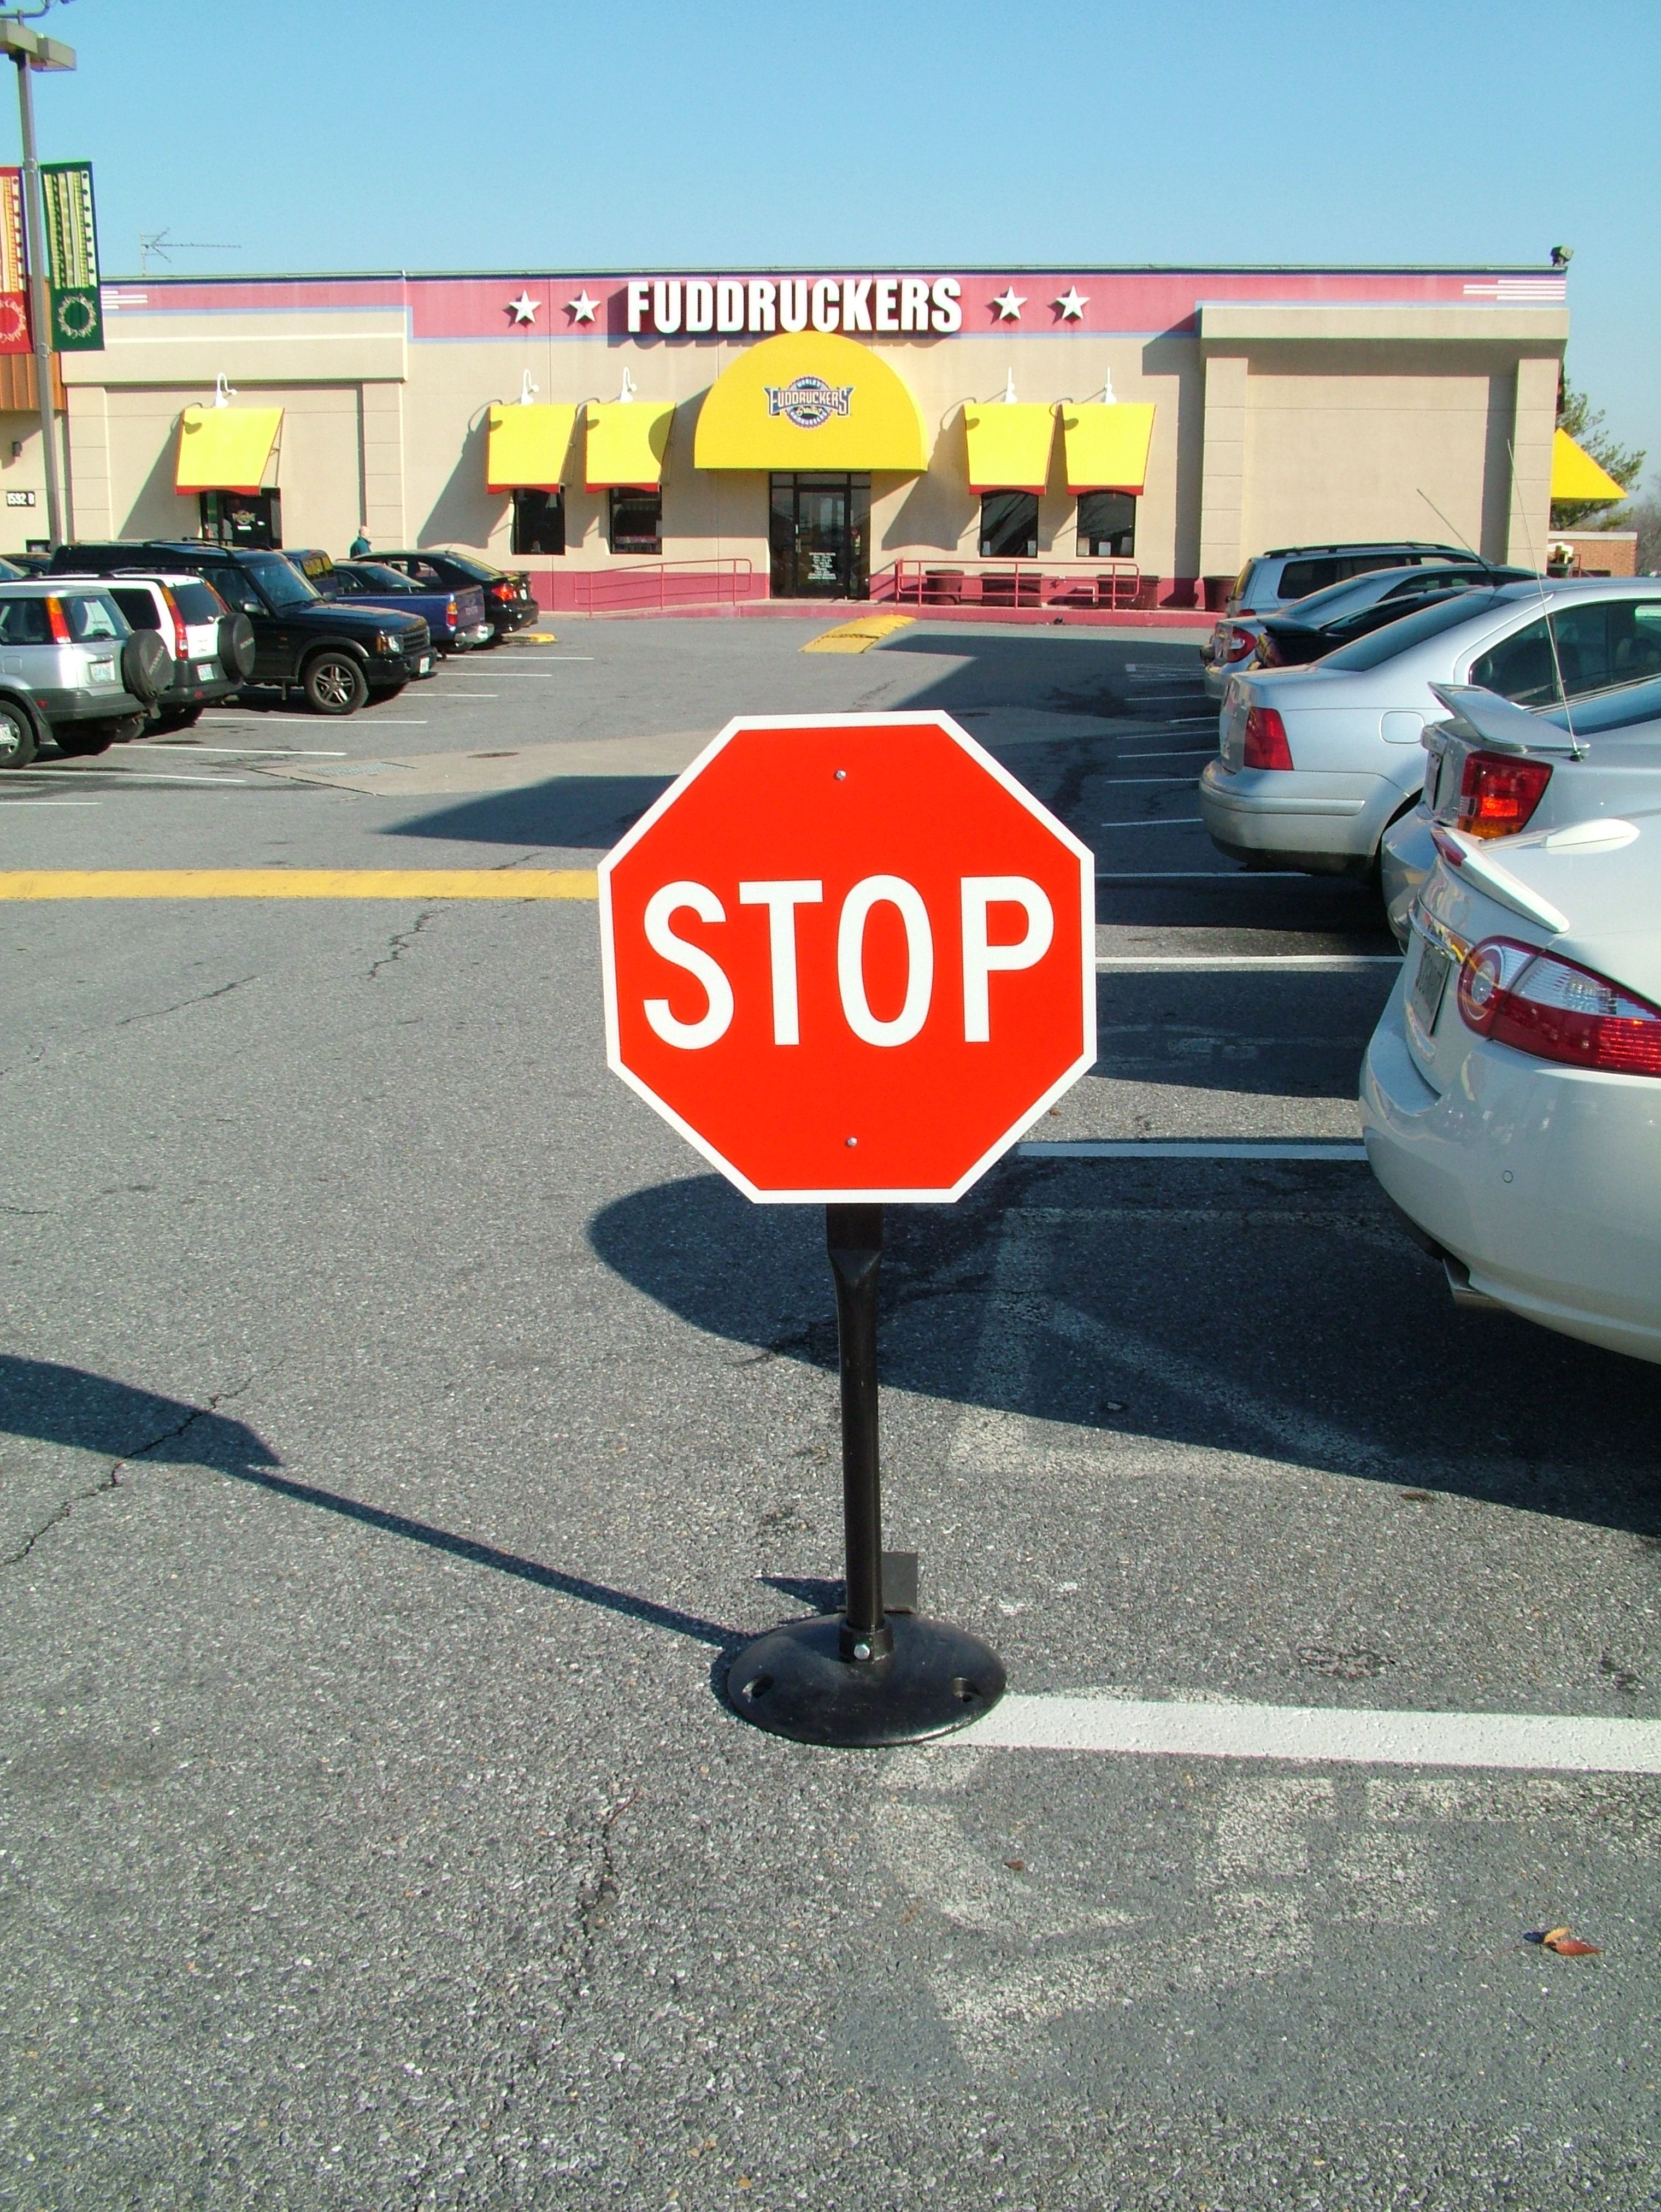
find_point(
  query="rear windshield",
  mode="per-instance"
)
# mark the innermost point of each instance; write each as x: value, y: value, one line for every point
x: 370, y: 574
x: 478, y: 570
x: 92, y: 616
x: 1382, y: 645
x: 198, y: 603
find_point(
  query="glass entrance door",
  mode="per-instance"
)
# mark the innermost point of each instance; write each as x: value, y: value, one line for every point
x: 820, y: 529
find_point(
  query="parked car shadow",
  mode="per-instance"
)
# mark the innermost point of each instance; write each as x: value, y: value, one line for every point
x: 1272, y: 1309
x: 584, y: 812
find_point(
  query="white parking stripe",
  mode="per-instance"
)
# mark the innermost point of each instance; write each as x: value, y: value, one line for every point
x: 242, y: 752
x: 1337, y: 963
x: 1164, y: 822
x: 1204, y: 876
x: 1174, y: 1727
x: 1188, y: 779
x: 1191, y: 1148
x: 48, y: 802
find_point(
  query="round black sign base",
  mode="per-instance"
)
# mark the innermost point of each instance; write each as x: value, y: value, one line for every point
x: 795, y: 1681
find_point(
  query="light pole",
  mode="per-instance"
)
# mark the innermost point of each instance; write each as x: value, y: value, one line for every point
x: 30, y: 51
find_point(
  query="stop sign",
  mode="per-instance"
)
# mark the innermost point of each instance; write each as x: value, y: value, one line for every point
x: 849, y: 958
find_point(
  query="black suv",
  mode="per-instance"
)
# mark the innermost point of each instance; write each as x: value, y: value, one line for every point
x: 335, y: 656
x: 509, y: 603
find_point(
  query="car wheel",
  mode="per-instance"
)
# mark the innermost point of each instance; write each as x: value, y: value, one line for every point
x: 17, y: 739
x: 147, y: 666
x: 91, y: 737
x: 176, y: 718
x: 334, y: 683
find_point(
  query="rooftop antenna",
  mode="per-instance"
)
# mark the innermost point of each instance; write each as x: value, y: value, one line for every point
x: 161, y: 245
x: 1576, y: 748
x: 1486, y: 567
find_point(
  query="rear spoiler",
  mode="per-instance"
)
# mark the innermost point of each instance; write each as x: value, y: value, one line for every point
x: 1497, y: 722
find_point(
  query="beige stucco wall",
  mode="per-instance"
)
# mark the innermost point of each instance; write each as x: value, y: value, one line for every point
x: 1273, y: 425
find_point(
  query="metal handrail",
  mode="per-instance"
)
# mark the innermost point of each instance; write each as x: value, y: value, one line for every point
x: 647, y: 583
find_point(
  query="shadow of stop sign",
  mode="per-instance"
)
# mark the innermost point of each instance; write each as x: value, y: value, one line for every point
x: 849, y: 958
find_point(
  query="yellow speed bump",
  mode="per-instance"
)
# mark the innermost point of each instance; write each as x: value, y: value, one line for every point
x: 299, y: 884
x: 858, y: 636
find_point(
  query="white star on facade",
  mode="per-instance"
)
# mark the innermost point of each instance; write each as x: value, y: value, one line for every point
x: 524, y: 309
x: 1009, y: 303
x: 581, y: 309
x: 1072, y: 305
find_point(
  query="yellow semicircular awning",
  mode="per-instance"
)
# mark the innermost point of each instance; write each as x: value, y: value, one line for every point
x: 624, y: 443
x: 810, y: 399
x: 225, y: 449
x: 527, y: 446
x: 1575, y: 475
x: 1106, y: 446
x: 1009, y: 445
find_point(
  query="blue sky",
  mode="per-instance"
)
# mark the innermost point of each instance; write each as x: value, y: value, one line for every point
x: 540, y: 135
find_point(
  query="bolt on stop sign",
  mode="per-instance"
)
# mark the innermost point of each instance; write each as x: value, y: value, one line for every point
x: 849, y: 958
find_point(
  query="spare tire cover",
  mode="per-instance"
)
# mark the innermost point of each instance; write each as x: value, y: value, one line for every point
x: 147, y: 666
x: 236, y: 646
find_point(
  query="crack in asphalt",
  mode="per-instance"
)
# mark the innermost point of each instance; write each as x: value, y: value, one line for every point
x: 596, y: 1890
x: 203, y: 1000
x: 111, y: 1479
x: 399, y: 943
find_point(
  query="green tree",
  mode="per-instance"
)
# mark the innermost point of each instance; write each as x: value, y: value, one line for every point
x: 1585, y: 424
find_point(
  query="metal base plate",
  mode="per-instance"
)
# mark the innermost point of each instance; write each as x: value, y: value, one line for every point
x: 794, y: 1681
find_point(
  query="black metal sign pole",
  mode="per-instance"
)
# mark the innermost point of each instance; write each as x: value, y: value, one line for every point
x: 864, y: 1676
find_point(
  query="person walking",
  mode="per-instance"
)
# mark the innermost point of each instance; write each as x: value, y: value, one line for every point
x: 359, y: 549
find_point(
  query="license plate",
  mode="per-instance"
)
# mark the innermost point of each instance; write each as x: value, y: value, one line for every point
x: 427, y: 664
x: 205, y: 671
x: 1429, y: 985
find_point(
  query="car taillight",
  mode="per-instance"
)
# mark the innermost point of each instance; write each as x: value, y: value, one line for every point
x: 450, y: 614
x: 501, y: 591
x: 181, y: 642
x: 1553, y: 1009
x: 1237, y: 643
x: 1497, y: 794
x: 60, y: 627
x: 1265, y: 739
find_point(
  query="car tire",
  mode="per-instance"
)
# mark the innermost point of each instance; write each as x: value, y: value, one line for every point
x: 18, y: 743
x: 236, y: 646
x: 91, y: 737
x: 333, y: 683
x: 175, y: 718
x: 147, y: 666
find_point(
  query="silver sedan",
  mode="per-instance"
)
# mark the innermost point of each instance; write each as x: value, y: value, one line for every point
x: 1316, y: 763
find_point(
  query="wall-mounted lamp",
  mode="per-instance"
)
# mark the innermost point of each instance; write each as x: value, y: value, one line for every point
x: 223, y: 394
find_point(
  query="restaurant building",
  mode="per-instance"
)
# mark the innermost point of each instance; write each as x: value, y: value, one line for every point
x: 1000, y: 438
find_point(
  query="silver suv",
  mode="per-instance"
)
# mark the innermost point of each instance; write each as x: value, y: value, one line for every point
x: 72, y: 669
x: 1271, y: 581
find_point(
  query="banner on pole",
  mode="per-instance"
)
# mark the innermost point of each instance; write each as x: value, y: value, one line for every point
x: 15, y: 334
x: 77, y: 317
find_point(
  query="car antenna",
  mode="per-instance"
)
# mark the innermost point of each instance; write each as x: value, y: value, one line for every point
x: 1577, y: 750
x: 1486, y: 567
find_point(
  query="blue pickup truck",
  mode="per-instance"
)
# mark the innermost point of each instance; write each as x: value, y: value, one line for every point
x: 456, y: 618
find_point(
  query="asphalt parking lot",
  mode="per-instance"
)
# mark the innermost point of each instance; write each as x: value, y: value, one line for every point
x: 399, y: 1427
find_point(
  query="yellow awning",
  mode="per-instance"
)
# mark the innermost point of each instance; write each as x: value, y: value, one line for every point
x: 625, y: 443
x: 1009, y: 446
x: 527, y: 447
x: 1575, y: 475
x: 1106, y: 446
x: 811, y: 400
x: 225, y: 449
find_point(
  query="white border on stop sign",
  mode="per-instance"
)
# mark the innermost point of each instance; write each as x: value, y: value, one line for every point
x: 859, y: 1195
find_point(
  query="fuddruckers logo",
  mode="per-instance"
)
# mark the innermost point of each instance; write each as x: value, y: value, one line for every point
x: 809, y: 403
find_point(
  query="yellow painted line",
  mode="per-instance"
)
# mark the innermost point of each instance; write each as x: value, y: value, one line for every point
x: 858, y: 636
x: 536, y: 637
x: 299, y: 883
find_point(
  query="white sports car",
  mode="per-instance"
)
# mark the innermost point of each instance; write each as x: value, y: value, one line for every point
x: 1511, y: 1098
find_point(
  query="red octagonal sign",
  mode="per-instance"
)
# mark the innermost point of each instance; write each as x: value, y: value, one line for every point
x: 849, y: 958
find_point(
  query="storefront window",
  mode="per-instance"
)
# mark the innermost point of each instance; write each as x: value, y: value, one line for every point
x: 637, y: 521
x: 539, y: 521
x: 251, y: 519
x: 1008, y: 525
x: 1107, y: 525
